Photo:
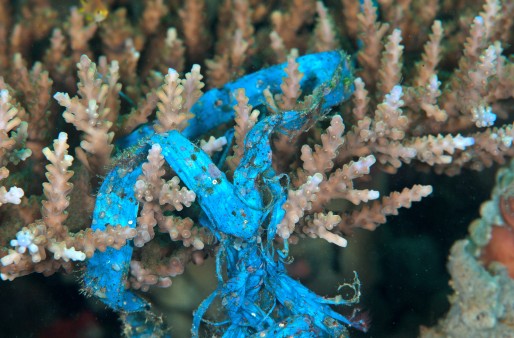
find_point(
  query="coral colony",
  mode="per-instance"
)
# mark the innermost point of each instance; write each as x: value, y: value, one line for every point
x: 246, y: 223
x: 166, y: 173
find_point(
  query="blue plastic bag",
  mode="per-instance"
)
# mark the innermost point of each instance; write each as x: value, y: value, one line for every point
x: 258, y: 296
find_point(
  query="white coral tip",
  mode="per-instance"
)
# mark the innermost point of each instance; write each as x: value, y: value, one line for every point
x: 14, y: 195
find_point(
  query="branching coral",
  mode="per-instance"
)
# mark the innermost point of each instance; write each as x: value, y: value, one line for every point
x: 436, y: 98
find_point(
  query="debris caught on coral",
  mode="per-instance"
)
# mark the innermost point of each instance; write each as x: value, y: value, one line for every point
x: 140, y: 138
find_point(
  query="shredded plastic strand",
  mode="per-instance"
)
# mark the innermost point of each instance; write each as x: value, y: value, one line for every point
x: 258, y: 297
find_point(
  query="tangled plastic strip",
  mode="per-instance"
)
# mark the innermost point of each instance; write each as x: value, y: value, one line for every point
x: 216, y: 106
x: 250, y: 264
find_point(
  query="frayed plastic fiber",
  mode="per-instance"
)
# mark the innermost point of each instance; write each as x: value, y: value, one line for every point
x: 257, y: 295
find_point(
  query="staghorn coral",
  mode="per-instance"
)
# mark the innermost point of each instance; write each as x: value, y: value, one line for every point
x: 443, y: 110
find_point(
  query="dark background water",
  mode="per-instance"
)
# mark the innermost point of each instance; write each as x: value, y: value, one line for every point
x: 401, y: 267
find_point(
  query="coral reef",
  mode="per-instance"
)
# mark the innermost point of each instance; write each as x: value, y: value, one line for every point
x: 110, y: 84
x: 483, y: 298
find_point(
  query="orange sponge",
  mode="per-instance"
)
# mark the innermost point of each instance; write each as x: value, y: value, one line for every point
x: 501, y: 246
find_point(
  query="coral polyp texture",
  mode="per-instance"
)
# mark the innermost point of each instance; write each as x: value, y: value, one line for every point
x: 481, y: 266
x: 141, y: 138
